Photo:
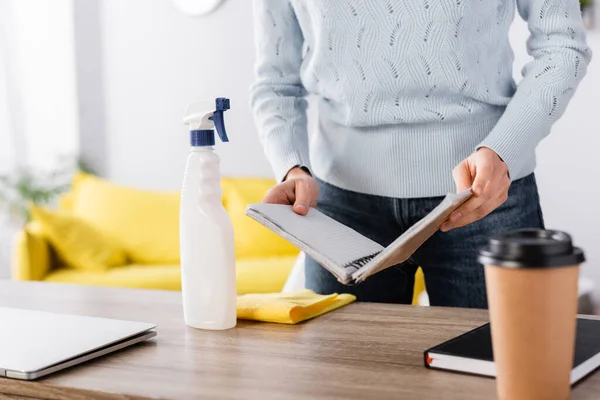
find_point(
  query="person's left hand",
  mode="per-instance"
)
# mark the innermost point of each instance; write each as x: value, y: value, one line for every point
x: 487, y: 175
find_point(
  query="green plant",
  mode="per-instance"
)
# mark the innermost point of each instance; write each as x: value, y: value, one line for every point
x: 586, y: 3
x: 24, y: 187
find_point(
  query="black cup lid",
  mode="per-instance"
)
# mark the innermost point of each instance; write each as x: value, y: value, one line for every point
x: 531, y: 248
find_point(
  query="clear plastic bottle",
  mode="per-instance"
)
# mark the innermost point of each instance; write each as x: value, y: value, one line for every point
x: 206, y: 233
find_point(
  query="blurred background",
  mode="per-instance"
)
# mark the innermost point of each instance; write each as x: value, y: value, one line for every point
x: 100, y: 85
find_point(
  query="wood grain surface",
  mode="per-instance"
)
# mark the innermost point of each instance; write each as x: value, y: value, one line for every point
x: 362, y: 351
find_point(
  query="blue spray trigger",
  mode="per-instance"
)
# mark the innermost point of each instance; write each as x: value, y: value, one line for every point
x: 222, y: 104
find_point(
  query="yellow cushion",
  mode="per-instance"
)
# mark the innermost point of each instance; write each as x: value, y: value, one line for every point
x: 251, y: 238
x: 78, y: 242
x: 289, y: 308
x: 145, y: 222
x: 79, y: 177
x: 31, y: 256
x: 66, y: 201
x: 253, y: 276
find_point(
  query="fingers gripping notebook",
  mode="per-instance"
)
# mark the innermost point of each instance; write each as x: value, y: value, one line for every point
x: 347, y: 254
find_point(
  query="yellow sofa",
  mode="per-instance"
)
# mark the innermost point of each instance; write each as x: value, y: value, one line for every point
x: 146, y: 224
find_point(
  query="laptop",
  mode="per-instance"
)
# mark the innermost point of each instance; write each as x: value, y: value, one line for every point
x: 35, y: 343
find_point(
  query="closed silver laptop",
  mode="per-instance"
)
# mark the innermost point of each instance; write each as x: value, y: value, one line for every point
x: 36, y: 343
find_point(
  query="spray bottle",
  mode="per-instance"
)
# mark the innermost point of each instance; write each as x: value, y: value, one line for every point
x: 206, y: 232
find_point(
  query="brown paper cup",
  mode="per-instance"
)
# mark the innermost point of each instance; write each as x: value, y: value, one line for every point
x: 531, y: 278
x: 533, y: 317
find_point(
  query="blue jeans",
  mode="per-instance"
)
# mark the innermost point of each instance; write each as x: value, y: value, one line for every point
x: 453, y: 276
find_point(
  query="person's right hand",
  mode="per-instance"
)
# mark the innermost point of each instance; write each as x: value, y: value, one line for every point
x: 299, y: 189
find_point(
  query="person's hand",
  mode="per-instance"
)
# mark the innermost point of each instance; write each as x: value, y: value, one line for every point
x: 487, y: 175
x: 299, y: 188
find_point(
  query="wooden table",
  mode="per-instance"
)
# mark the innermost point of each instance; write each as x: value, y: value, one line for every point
x: 362, y: 351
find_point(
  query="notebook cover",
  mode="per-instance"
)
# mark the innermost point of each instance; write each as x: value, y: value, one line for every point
x: 477, y: 343
x: 404, y: 247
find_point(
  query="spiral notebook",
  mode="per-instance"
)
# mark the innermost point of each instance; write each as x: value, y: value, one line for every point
x: 347, y: 254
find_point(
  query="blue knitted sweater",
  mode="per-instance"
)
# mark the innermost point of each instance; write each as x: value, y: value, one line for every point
x: 407, y: 89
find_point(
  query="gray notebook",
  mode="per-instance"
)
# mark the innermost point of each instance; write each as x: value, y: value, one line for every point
x: 345, y: 253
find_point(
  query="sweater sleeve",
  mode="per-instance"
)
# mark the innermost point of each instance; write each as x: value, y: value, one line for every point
x: 277, y: 96
x: 560, y: 58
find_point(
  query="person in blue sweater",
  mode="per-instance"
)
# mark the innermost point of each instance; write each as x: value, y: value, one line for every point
x: 415, y: 99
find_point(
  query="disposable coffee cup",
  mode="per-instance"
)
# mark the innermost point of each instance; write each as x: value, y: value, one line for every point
x: 531, y: 278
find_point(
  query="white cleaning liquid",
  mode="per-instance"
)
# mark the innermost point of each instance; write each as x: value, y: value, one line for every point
x: 206, y: 233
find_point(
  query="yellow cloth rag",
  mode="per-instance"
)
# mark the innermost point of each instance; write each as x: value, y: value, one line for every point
x: 289, y: 308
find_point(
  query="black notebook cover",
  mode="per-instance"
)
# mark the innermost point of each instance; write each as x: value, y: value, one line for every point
x: 477, y: 345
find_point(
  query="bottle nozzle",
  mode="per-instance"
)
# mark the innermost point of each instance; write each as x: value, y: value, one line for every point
x: 222, y: 104
x: 202, y: 117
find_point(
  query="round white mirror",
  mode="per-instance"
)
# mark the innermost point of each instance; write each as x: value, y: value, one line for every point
x: 197, y: 7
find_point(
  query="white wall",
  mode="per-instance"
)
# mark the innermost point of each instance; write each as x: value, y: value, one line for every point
x: 568, y: 169
x: 6, y: 140
x: 41, y: 78
x: 156, y: 60
x: 90, y: 83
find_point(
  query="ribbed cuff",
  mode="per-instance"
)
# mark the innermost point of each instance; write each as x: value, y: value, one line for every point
x: 516, y: 135
x: 284, y: 157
